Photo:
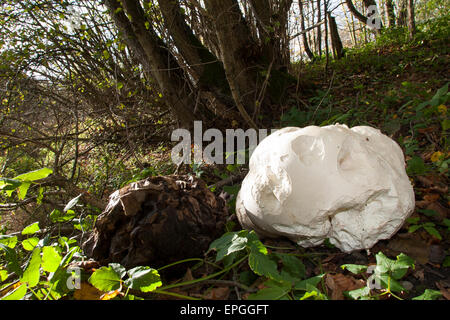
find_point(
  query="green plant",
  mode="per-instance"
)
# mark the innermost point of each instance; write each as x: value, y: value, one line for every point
x: 427, y: 226
x: 384, y: 277
x: 35, y: 268
x: 114, y: 278
x: 280, y: 284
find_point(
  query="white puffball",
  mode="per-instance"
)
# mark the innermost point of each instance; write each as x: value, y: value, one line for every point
x: 313, y: 183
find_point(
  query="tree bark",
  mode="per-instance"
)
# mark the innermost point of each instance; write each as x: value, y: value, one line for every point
x: 156, y: 58
x: 390, y: 15
x: 236, y: 48
x: 402, y: 13
x: 304, y: 35
x: 338, y: 49
x: 411, y: 19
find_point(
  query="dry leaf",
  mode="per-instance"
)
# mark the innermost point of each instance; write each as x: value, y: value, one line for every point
x: 220, y: 293
x: 432, y: 197
x: 110, y: 295
x: 87, y: 292
x: 445, y: 292
x: 339, y: 283
x: 410, y: 244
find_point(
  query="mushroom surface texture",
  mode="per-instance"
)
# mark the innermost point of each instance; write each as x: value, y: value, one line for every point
x: 313, y: 183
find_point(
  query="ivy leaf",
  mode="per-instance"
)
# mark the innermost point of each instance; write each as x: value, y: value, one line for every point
x: 145, y: 279
x: 230, y: 242
x: 432, y: 230
x: 32, y: 272
x: 358, y: 294
x: 263, y: 265
x: 429, y: 295
x: 105, y: 279
x: 273, y: 293
x: 309, y: 283
x: 293, y: 267
x: 354, y: 268
x: 50, y: 259
x: 31, y: 229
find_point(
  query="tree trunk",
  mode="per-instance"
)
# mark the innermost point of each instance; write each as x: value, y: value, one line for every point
x: 338, y: 49
x: 390, y: 15
x: 156, y: 58
x: 411, y: 19
x: 402, y: 13
x: 304, y: 35
x: 207, y: 69
x: 236, y: 48
x: 319, y: 28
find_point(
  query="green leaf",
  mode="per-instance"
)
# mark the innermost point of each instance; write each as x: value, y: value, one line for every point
x: 416, y: 166
x: 354, y: 268
x: 31, y: 229
x: 106, y: 54
x: 432, y: 230
x: 30, y: 243
x: 293, y: 267
x: 11, y: 258
x: 35, y: 175
x: 145, y: 279
x: 9, y: 184
x: 414, y: 228
x: 263, y: 265
x: 309, y: 283
x: 3, y: 275
x: 16, y: 294
x: 358, y: 293
x: 32, y: 272
x: 119, y: 269
x: 273, y: 293
x: 105, y: 279
x: 230, y: 242
x: 57, y: 216
x: 316, y: 294
x: 429, y: 295
x: 23, y: 190
x: 50, y: 259
x: 9, y: 241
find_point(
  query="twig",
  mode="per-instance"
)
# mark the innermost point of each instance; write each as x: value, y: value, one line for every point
x: 229, y: 180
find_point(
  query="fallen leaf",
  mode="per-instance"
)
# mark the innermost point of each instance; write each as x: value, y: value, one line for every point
x: 410, y: 244
x: 339, y: 283
x: 419, y: 274
x: 445, y: 292
x: 432, y: 197
x: 87, y: 292
x: 220, y: 293
x: 441, y: 211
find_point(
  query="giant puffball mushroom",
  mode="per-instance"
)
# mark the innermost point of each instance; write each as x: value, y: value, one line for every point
x: 313, y: 183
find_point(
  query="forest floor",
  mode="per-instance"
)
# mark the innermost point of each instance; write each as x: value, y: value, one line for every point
x: 385, y: 86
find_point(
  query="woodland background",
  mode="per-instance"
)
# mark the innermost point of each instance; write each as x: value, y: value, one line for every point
x: 90, y: 92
